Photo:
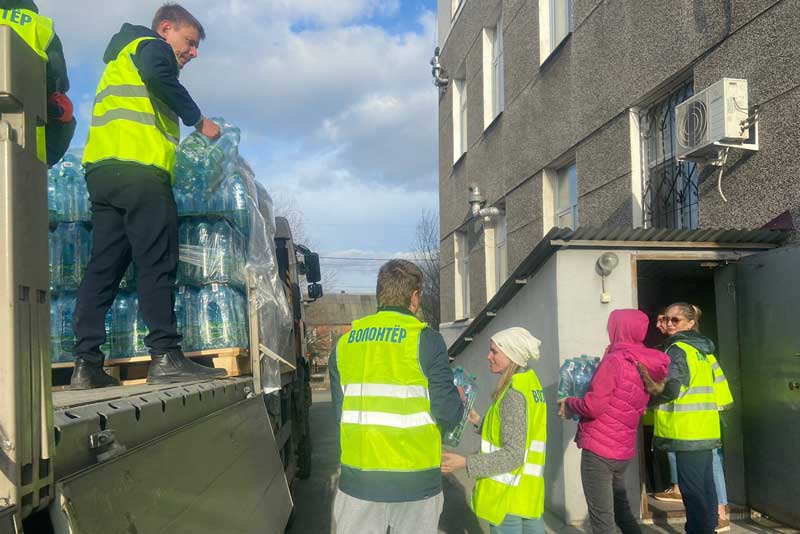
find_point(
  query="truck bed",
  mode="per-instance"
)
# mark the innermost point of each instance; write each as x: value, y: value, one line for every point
x: 125, y: 417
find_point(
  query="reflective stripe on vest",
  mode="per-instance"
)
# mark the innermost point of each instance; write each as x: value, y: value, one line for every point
x: 520, y: 492
x: 129, y: 123
x: 386, y: 420
x: 33, y: 28
x: 722, y: 391
x: 693, y: 415
x: 41, y: 144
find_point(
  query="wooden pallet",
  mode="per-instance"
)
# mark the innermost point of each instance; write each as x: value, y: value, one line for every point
x: 133, y: 371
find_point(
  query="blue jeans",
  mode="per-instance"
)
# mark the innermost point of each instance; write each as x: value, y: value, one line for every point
x: 514, y: 524
x: 719, y: 474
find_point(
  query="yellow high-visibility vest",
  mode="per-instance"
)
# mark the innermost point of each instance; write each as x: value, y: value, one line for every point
x: 693, y: 415
x: 386, y: 422
x: 520, y: 492
x: 128, y: 122
x: 37, y: 32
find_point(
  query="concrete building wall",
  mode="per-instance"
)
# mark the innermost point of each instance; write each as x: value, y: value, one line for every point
x: 575, y: 107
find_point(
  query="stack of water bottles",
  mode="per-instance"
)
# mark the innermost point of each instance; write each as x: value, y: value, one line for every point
x: 468, y: 383
x: 213, y: 207
x: 69, y: 247
x: 575, y: 375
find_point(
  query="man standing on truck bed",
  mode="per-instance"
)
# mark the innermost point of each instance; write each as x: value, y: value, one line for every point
x: 129, y: 160
x: 22, y: 16
x: 393, y: 391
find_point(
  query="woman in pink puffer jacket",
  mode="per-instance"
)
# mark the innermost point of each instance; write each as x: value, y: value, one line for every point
x: 609, y: 419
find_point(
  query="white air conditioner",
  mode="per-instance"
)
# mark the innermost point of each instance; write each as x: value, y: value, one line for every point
x: 714, y: 118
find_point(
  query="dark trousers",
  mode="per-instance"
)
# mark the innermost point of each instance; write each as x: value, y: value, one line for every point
x: 604, y: 487
x: 696, y: 480
x: 133, y: 217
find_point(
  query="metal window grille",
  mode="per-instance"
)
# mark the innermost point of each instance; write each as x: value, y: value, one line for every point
x: 669, y: 192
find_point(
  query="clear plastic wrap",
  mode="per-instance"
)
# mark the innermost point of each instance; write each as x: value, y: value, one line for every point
x: 227, y: 244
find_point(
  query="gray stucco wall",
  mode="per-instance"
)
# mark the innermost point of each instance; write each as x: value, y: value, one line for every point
x: 574, y: 107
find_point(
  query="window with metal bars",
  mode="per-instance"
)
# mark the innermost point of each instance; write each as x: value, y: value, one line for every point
x: 669, y: 189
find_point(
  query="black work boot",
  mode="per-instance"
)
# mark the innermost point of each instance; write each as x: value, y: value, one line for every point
x: 173, y: 366
x: 90, y: 376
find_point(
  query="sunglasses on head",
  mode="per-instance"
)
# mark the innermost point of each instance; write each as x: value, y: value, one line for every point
x: 673, y: 320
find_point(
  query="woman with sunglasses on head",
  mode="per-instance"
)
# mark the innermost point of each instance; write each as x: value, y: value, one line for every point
x: 509, y: 493
x: 686, y: 413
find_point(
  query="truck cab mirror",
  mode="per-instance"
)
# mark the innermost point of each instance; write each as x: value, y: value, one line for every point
x: 315, y: 291
x: 312, y: 270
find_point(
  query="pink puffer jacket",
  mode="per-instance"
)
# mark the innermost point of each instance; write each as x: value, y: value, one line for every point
x: 616, y: 399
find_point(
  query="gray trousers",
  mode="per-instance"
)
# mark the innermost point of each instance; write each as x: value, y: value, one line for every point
x: 355, y: 516
x: 604, y: 487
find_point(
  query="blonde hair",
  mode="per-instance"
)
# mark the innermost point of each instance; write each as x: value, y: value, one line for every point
x: 690, y: 311
x: 397, y: 281
x: 505, y: 380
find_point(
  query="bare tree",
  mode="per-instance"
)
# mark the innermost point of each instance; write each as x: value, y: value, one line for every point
x: 426, y: 249
x: 285, y: 205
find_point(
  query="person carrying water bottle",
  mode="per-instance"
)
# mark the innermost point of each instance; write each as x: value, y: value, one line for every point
x: 509, y: 493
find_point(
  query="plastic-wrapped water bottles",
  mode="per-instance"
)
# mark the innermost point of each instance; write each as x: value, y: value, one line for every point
x: 575, y: 376
x: 52, y: 189
x: 71, y: 195
x: 201, y: 164
x: 123, y: 324
x: 469, y: 384
x: 65, y: 335
x: 55, y: 330
x: 71, y: 250
x: 217, y: 317
x: 139, y: 330
x: 242, y: 319
x: 223, y: 255
x: 52, y: 258
x: 234, y: 203
x: 186, y: 315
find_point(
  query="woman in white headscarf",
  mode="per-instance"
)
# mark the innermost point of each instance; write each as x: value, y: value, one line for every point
x: 509, y: 492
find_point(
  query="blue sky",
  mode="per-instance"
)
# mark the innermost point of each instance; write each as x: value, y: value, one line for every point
x: 334, y: 100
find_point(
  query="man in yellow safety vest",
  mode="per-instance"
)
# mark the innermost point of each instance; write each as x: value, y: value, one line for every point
x: 22, y: 16
x: 129, y: 159
x: 393, y: 391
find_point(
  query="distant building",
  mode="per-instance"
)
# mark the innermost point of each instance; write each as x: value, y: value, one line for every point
x: 330, y: 317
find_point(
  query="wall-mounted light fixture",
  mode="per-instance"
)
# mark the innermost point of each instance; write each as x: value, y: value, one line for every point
x: 440, y: 78
x: 606, y: 263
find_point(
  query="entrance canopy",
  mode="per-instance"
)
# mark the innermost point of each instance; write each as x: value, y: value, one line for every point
x: 620, y: 238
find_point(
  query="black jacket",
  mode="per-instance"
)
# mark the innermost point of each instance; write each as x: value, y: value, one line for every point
x: 159, y: 70
x: 679, y: 376
x: 59, y: 134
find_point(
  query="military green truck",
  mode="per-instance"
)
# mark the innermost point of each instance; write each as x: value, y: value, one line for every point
x: 200, y: 457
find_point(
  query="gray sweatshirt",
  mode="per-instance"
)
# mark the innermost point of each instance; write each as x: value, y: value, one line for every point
x: 514, y: 430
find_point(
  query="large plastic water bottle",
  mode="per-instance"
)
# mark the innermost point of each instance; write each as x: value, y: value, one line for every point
x: 52, y: 204
x: 189, y: 161
x: 202, y: 240
x: 241, y: 318
x: 222, y: 155
x: 234, y: 201
x: 72, y: 250
x: 582, y: 374
x: 55, y: 330
x: 216, y: 317
x: 186, y: 315
x: 66, y: 335
x: 224, y: 254
x: 468, y: 383
x: 139, y: 330
x: 105, y: 348
x: 123, y: 325
x: 52, y: 257
x: 566, y: 382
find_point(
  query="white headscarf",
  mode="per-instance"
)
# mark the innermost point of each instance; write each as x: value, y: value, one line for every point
x: 518, y: 344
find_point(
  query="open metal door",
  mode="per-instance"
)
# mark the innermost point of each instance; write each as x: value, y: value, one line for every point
x: 767, y: 297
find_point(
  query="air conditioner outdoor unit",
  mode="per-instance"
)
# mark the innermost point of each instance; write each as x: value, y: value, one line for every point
x: 715, y: 118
